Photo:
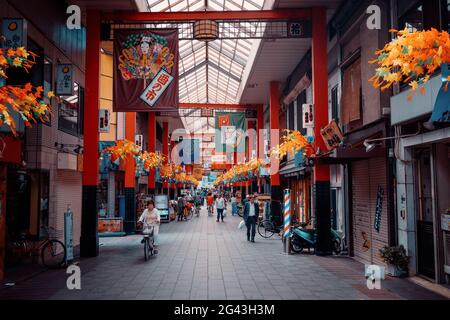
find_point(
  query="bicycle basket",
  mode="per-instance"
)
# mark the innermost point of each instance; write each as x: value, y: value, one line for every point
x: 148, y: 231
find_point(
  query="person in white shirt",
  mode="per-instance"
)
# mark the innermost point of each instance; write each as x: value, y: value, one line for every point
x: 220, y: 205
x: 151, y: 218
x: 233, y: 205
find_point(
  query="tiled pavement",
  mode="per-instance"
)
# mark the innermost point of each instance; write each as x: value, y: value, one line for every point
x: 202, y: 259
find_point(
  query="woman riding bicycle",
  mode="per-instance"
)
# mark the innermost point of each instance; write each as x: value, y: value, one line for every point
x: 151, y: 219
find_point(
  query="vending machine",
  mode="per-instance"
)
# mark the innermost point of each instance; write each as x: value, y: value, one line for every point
x: 162, y: 204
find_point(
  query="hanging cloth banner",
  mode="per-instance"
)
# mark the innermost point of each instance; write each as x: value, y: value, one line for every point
x: 145, y: 70
x: 441, y: 110
x: 230, y: 132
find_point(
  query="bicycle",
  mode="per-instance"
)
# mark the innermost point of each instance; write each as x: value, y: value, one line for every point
x: 51, y: 251
x: 188, y: 213
x: 149, y: 242
x: 268, y: 227
x: 210, y: 210
x: 197, y: 211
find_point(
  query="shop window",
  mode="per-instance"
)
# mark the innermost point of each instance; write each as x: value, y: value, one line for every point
x: 48, y: 84
x: 335, y: 104
x: 291, y: 123
x: 44, y: 198
x: 422, y: 15
x: 19, y: 76
x: 447, y: 10
x: 351, y: 96
x: 301, y: 99
x: 410, y: 15
x: 70, y: 112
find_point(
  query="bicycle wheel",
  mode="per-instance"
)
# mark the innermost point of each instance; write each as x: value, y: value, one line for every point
x: 146, y: 249
x: 53, y: 254
x: 266, y: 229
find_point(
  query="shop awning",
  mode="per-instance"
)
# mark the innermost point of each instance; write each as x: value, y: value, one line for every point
x: 342, y: 155
x: 291, y: 169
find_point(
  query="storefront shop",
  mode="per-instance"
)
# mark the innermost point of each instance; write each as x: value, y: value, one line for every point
x: 423, y: 180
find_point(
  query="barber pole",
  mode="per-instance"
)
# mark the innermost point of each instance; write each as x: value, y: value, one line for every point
x: 287, y: 213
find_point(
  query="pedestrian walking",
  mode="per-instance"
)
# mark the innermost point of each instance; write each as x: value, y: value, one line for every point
x: 233, y: 205
x: 251, y: 214
x: 180, y: 209
x: 220, y: 205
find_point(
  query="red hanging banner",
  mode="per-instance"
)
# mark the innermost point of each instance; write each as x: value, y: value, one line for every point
x: 145, y: 70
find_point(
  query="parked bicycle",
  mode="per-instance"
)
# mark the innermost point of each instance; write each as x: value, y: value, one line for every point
x: 51, y: 251
x: 188, y: 211
x: 267, y: 227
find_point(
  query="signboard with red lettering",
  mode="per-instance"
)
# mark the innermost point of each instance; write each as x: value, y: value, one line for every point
x: 145, y: 70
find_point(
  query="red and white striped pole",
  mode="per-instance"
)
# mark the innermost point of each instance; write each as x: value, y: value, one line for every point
x: 287, y: 221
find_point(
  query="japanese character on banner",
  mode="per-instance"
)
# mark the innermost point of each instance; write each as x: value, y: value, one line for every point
x: 157, y: 87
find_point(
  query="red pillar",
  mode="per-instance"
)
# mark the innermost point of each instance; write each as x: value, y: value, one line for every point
x: 165, y: 145
x: 151, y: 148
x: 89, y: 220
x: 130, y: 176
x: 320, y: 101
x: 275, y: 139
x: 130, y: 164
x: 260, y: 126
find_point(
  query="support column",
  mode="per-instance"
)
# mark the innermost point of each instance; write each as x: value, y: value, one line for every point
x: 89, y: 220
x: 260, y: 131
x: 320, y: 101
x: 3, y: 191
x: 172, y: 187
x: 130, y: 177
x: 165, y: 148
x: 151, y: 148
x: 276, y: 191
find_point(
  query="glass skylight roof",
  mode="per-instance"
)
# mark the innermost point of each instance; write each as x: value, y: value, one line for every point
x: 210, y: 72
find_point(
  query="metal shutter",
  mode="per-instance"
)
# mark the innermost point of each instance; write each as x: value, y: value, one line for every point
x: 367, y: 175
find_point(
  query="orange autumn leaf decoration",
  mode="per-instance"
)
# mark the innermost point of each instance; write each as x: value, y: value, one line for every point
x: 125, y: 149
x: 25, y: 100
x: 411, y: 58
x: 293, y: 141
x: 240, y: 170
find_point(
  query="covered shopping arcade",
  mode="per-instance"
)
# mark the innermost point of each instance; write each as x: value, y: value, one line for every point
x: 238, y: 70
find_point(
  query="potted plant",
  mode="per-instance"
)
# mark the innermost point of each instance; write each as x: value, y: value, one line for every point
x: 396, y: 259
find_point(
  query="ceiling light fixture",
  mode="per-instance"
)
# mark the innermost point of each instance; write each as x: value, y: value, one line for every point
x: 206, y: 30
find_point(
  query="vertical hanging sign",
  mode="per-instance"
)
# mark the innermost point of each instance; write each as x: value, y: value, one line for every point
x: 379, y: 208
x: 15, y: 33
x: 68, y: 234
x: 139, y: 141
x: 308, y: 116
x: 64, y: 80
x: 103, y: 120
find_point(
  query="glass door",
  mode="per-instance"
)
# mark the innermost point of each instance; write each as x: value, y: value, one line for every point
x: 425, y: 234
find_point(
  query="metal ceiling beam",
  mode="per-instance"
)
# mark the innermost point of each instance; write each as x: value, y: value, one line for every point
x: 215, y: 106
x: 151, y: 17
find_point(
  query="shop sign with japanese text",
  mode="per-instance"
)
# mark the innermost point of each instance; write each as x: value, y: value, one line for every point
x: 157, y: 87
